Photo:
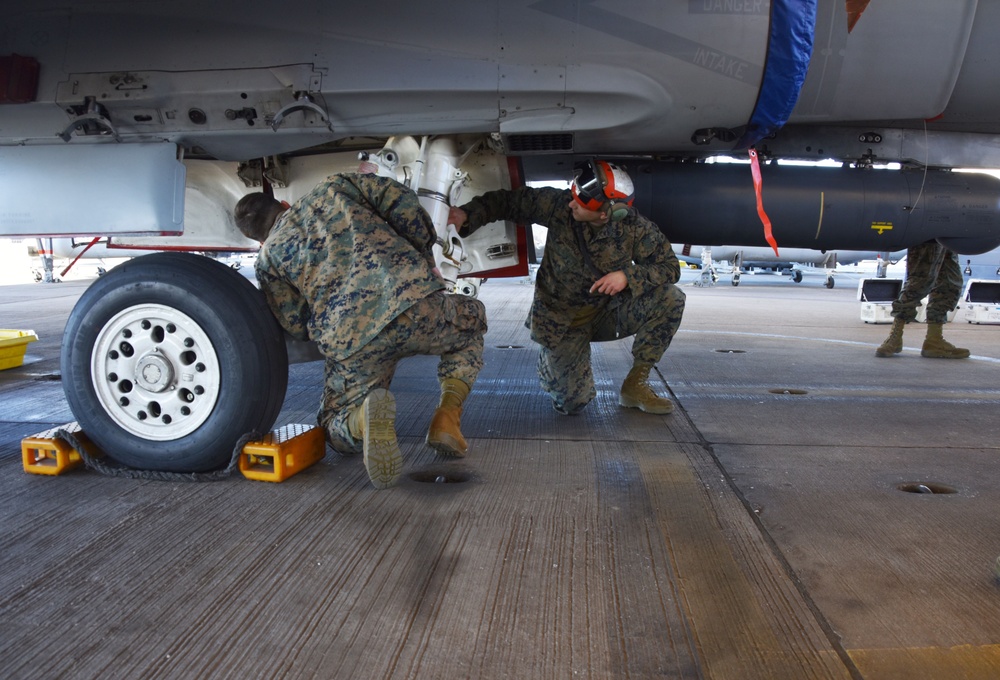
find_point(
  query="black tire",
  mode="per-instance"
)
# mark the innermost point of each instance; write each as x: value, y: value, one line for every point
x: 168, y: 359
x: 830, y: 282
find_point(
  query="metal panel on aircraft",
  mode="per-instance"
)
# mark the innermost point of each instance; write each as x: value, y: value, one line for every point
x: 91, y: 189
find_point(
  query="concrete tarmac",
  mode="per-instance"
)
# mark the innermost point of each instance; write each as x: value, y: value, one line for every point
x: 808, y: 511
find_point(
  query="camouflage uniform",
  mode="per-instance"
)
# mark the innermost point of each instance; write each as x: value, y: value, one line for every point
x: 350, y: 267
x: 565, y: 317
x: 931, y: 269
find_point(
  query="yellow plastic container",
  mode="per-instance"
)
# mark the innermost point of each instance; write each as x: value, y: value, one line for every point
x: 12, y: 346
x: 283, y: 453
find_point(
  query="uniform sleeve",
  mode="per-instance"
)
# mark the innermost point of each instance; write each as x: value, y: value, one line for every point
x: 654, y: 262
x: 286, y: 302
x: 526, y: 205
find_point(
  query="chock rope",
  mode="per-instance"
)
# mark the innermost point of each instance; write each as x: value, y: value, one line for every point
x: 117, y: 470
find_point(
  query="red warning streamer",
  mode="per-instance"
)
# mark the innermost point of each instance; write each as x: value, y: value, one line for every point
x: 755, y: 170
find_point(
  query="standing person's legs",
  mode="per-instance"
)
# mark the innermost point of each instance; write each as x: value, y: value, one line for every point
x: 944, y: 296
x: 947, y: 288
x: 922, y: 264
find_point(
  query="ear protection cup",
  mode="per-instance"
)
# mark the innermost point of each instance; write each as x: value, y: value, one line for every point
x: 617, y: 211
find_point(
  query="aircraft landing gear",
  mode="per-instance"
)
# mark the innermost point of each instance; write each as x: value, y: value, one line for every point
x: 169, y: 359
x: 829, y: 282
x: 468, y: 286
x: 796, y: 276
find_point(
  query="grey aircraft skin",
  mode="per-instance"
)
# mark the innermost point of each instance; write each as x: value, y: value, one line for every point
x: 146, y: 122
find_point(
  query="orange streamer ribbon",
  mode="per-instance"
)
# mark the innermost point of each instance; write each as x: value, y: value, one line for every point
x: 755, y: 171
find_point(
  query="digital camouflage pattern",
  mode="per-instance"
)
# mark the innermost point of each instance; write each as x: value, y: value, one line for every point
x: 564, y: 372
x: 350, y: 266
x: 931, y: 270
x: 346, y: 259
x: 451, y: 326
x: 565, y: 317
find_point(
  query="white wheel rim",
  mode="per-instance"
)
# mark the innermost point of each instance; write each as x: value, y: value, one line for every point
x: 155, y: 371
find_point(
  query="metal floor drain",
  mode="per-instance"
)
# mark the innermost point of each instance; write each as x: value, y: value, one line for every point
x: 440, y: 476
x: 926, y: 488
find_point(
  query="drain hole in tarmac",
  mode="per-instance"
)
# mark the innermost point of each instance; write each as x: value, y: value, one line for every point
x: 786, y: 390
x: 731, y: 351
x: 439, y: 476
x: 925, y: 487
x: 510, y: 346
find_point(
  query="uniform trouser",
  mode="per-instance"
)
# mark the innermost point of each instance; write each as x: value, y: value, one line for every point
x: 931, y: 270
x: 450, y: 326
x: 564, y: 371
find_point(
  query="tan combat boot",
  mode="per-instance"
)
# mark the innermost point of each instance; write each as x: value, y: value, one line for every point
x: 894, y: 343
x: 374, y: 423
x: 936, y: 346
x: 636, y: 392
x: 444, y: 433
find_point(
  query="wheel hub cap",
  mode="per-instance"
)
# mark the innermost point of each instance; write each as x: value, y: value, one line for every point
x: 156, y: 372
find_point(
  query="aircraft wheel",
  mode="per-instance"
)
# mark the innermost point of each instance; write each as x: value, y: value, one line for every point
x: 829, y: 282
x: 736, y: 281
x: 797, y: 276
x: 169, y: 359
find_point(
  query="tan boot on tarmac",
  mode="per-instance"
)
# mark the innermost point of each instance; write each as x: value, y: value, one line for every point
x: 445, y: 434
x: 937, y: 347
x: 894, y: 343
x: 376, y: 420
x: 636, y: 392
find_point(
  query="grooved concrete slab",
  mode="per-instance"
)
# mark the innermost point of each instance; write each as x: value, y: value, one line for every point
x: 757, y: 532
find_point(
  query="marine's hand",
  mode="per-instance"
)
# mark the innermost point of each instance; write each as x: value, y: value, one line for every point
x: 610, y: 284
x: 457, y: 217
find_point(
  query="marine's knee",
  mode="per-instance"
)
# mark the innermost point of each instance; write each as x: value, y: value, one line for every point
x: 479, y: 313
x: 675, y: 296
x: 667, y: 301
x: 470, y: 314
